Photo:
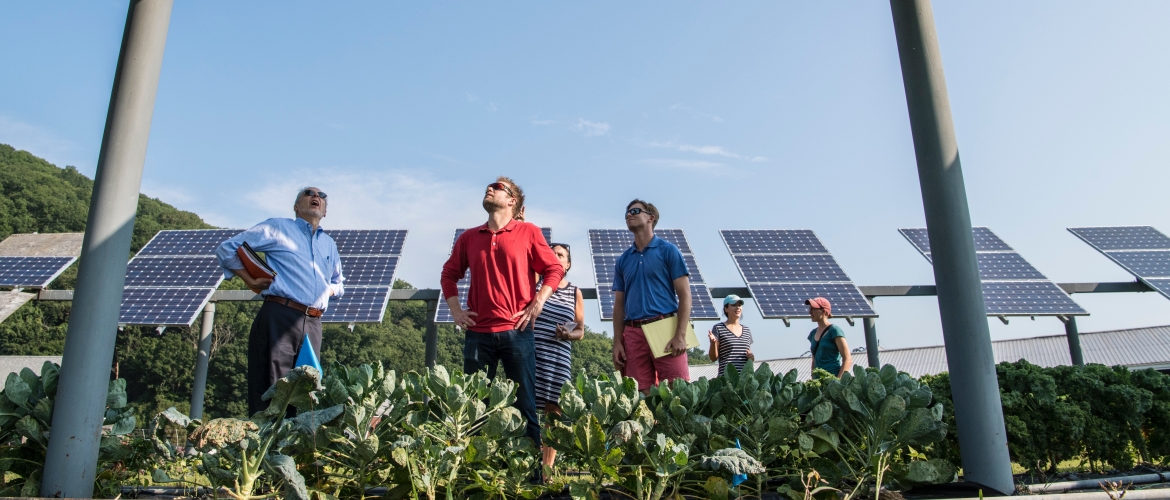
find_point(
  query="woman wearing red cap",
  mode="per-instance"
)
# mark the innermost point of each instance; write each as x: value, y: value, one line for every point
x: 829, y: 350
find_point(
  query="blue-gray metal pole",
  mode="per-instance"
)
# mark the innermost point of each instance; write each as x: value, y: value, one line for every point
x: 978, y: 413
x: 202, y: 360
x: 871, y: 342
x: 1074, y: 341
x: 432, y: 334
x: 71, y: 459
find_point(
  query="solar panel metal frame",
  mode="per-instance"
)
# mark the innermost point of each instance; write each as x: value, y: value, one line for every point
x: 605, y: 244
x: 994, y: 255
x: 443, y: 312
x: 1156, y: 244
x: 53, y: 266
x: 801, y: 245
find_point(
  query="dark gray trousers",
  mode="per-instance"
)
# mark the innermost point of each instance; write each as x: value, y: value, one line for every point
x: 273, y: 345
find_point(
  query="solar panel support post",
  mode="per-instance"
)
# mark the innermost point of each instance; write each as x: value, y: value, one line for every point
x: 432, y: 339
x: 1074, y: 340
x: 202, y: 360
x: 978, y: 412
x: 71, y: 458
x: 871, y: 341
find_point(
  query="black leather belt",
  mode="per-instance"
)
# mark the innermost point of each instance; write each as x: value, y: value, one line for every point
x: 639, y: 322
x: 311, y: 312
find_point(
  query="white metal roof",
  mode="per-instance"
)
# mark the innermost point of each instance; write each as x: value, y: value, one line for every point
x: 1136, y: 348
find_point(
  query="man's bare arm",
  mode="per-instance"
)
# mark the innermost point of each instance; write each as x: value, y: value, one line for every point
x: 619, y: 326
x: 678, y: 345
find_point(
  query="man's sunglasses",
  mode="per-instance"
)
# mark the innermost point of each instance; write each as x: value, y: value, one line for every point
x: 310, y: 192
x: 500, y: 186
x: 635, y: 211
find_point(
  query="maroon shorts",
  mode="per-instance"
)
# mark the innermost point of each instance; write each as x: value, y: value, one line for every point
x: 642, y: 366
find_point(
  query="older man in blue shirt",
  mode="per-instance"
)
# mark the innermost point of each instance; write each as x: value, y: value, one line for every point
x: 308, y: 272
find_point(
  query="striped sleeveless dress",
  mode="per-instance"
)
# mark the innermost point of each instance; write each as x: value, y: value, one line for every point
x: 554, y: 356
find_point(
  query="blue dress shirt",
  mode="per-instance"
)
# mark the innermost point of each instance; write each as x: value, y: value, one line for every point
x: 307, y: 265
x: 647, y: 279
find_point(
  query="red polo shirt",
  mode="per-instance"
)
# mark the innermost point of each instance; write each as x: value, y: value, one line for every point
x: 503, y: 268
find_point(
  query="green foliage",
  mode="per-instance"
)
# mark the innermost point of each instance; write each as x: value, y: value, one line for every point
x: 26, y: 414
x: 1109, y: 417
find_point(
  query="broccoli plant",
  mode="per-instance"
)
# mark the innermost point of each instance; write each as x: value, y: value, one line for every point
x: 237, y: 453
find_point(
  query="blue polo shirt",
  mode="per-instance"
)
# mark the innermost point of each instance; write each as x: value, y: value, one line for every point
x: 647, y: 279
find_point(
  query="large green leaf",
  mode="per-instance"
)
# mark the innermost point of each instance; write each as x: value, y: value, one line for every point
x: 117, y: 398
x: 933, y: 471
x: 17, y: 390
x: 285, y: 468
x: 307, y: 422
x: 821, y: 413
x: 504, y: 423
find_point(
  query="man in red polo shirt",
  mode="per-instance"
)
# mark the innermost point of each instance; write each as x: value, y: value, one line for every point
x: 504, y: 255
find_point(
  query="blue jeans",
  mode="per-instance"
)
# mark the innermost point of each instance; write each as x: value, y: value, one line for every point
x: 516, y: 349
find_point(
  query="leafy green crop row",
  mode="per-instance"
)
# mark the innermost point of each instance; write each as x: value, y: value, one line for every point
x: 1095, y: 413
x: 441, y: 434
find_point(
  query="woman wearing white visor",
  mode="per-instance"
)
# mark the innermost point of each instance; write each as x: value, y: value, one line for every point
x: 731, y: 341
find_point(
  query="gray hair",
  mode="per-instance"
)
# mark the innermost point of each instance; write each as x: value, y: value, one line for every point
x: 300, y: 193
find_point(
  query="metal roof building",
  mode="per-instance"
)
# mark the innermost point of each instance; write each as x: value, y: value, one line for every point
x: 1136, y: 348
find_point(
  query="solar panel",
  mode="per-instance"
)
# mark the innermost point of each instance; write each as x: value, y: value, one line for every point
x: 606, y: 245
x: 365, y: 304
x: 187, y: 242
x: 985, y: 240
x: 1027, y: 298
x: 785, y: 267
x: 1147, y: 264
x: 31, y: 272
x: 171, y: 272
x: 1011, y: 286
x: 1122, y: 238
x: 762, y: 268
x: 786, y: 300
x: 368, y: 241
x: 1141, y: 250
x: 443, y: 313
x: 361, y: 270
x: 162, y: 306
x: 1162, y: 285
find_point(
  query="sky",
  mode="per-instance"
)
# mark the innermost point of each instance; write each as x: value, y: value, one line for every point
x: 743, y: 115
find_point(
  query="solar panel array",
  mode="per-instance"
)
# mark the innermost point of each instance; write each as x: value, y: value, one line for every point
x: 31, y: 272
x: 785, y: 267
x: 369, y: 258
x: 170, y: 280
x: 606, y: 245
x: 1141, y: 250
x: 443, y: 313
x: 1011, y: 286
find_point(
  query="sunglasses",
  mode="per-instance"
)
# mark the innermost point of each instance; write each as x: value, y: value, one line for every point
x: 566, y: 245
x: 310, y: 192
x: 500, y: 186
x: 635, y: 211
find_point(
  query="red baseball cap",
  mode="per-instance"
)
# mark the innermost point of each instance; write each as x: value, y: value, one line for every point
x: 820, y: 303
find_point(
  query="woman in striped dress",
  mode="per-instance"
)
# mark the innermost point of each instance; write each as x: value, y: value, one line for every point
x: 731, y: 342
x: 561, y: 321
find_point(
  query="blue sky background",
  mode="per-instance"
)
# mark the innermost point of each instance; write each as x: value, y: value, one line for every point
x: 725, y: 115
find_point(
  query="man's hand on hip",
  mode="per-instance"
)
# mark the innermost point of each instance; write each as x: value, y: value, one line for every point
x: 462, y: 318
x: 527, y: 316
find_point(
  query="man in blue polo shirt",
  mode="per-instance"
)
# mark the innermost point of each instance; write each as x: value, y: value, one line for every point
x: 651, y: 283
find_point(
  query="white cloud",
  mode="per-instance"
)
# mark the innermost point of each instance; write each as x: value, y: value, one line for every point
x: 706, y: 150
x: 682, y: 164
x: 591, y: 129
x: 695, y: 112
x: 471, y: 97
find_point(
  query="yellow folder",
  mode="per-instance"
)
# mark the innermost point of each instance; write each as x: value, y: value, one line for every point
x: 659, y: 333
